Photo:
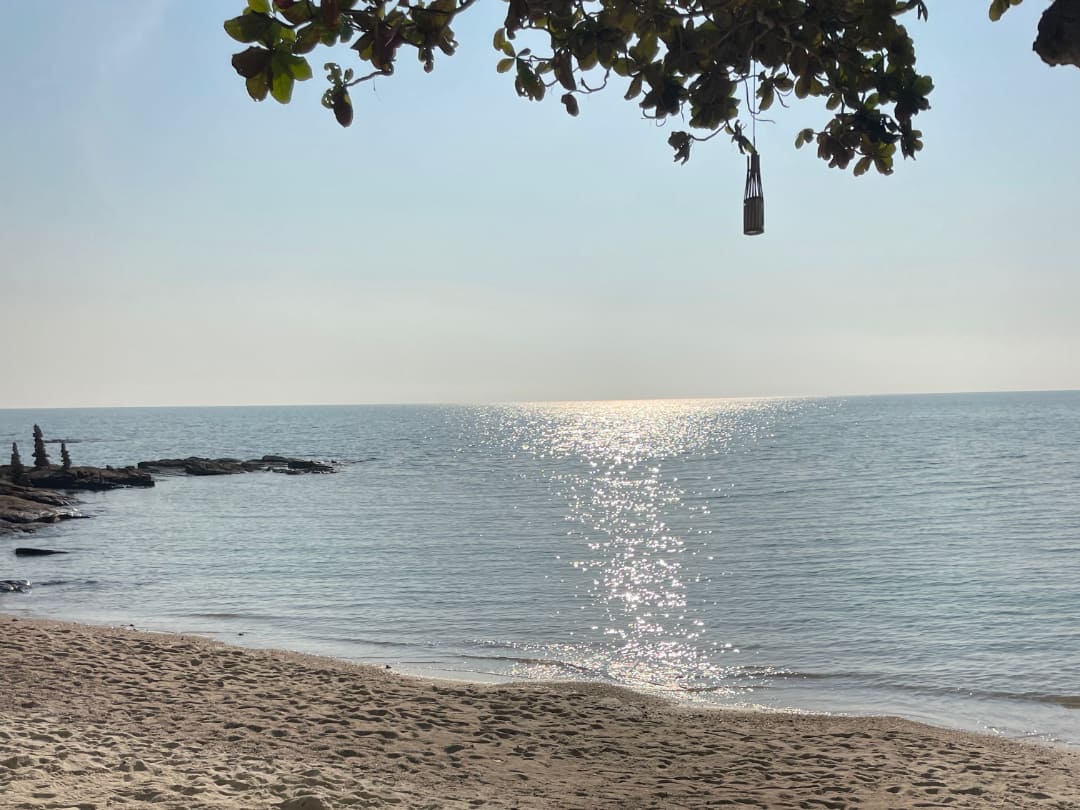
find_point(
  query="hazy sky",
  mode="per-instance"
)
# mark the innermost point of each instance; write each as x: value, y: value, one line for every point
x: 166, y: 241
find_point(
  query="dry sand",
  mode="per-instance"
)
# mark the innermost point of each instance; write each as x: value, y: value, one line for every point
x: 97, y: 718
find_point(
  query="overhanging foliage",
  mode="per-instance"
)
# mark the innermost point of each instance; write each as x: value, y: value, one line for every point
x: 711, y: 64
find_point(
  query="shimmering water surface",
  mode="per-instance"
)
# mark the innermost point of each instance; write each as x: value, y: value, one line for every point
x: 907, y: 555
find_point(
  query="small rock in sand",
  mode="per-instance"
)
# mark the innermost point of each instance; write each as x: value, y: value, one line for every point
x: 304, y: 803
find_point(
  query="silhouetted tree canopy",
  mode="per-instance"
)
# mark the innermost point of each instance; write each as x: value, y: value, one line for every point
x: 711, y: 63
x: 65, y: 456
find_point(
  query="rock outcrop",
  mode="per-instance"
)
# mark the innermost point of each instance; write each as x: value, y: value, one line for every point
x: 193, y: 465
x: 196, y: 465
x: 24, y: 509
x: 35, y: 502
x: 93, y: 479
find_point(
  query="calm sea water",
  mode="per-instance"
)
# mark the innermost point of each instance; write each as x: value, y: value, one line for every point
x: 906, y: 555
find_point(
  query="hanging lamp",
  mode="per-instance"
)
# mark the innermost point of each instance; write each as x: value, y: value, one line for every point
x: 753, y: 209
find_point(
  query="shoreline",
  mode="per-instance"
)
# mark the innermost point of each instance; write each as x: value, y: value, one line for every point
x: 94, y: 716
x: 944, y: 718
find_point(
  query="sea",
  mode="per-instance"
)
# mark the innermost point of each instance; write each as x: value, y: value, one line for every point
x: 905, y: 555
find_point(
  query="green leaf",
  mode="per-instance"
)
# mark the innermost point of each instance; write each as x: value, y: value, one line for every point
x: 767, y: 98
x: 248, y: 27
x: 251, y: 62
x: 501, y: 44
x: 564, y: 70
x: 281, y: 85
x: 257, y: 86
x: 343, y: 109
x: 863, y: 166
x: 261, y: 6
x: 306, y: 39
x: 527, y: 83
x: 300, y: 69
x: 802, y: 86
x: 570, y: 103
x: 804, y: 137
x: 505, y: 65
x: 297, y: 13
x: 646, y: 48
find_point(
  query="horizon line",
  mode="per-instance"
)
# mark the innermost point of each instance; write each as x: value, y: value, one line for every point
x: 476, y: 403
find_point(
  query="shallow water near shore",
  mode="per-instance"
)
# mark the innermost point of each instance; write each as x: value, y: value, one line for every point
x: 906, y: 555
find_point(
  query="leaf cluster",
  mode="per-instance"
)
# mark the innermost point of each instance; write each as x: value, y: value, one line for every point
x: 714, y: 65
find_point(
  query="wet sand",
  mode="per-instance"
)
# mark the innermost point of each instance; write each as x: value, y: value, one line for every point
x: 95, y: 718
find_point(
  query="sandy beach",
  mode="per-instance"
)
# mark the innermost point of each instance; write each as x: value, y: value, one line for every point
x: 94, y: 717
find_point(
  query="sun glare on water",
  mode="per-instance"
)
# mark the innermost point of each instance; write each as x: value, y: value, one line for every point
x: 644, y: 563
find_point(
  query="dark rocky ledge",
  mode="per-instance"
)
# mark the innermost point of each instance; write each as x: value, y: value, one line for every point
x: 25, y: 509
x: 36, y: 503
x: 195, y: 465
x: 92, y: 479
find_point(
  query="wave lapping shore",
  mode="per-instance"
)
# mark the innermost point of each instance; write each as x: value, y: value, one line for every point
x: 95, y: 717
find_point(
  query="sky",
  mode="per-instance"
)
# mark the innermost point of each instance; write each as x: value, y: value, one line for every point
x: 166, y: 241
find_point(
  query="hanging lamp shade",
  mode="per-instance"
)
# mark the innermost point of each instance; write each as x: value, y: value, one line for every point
x: 753, y: 199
